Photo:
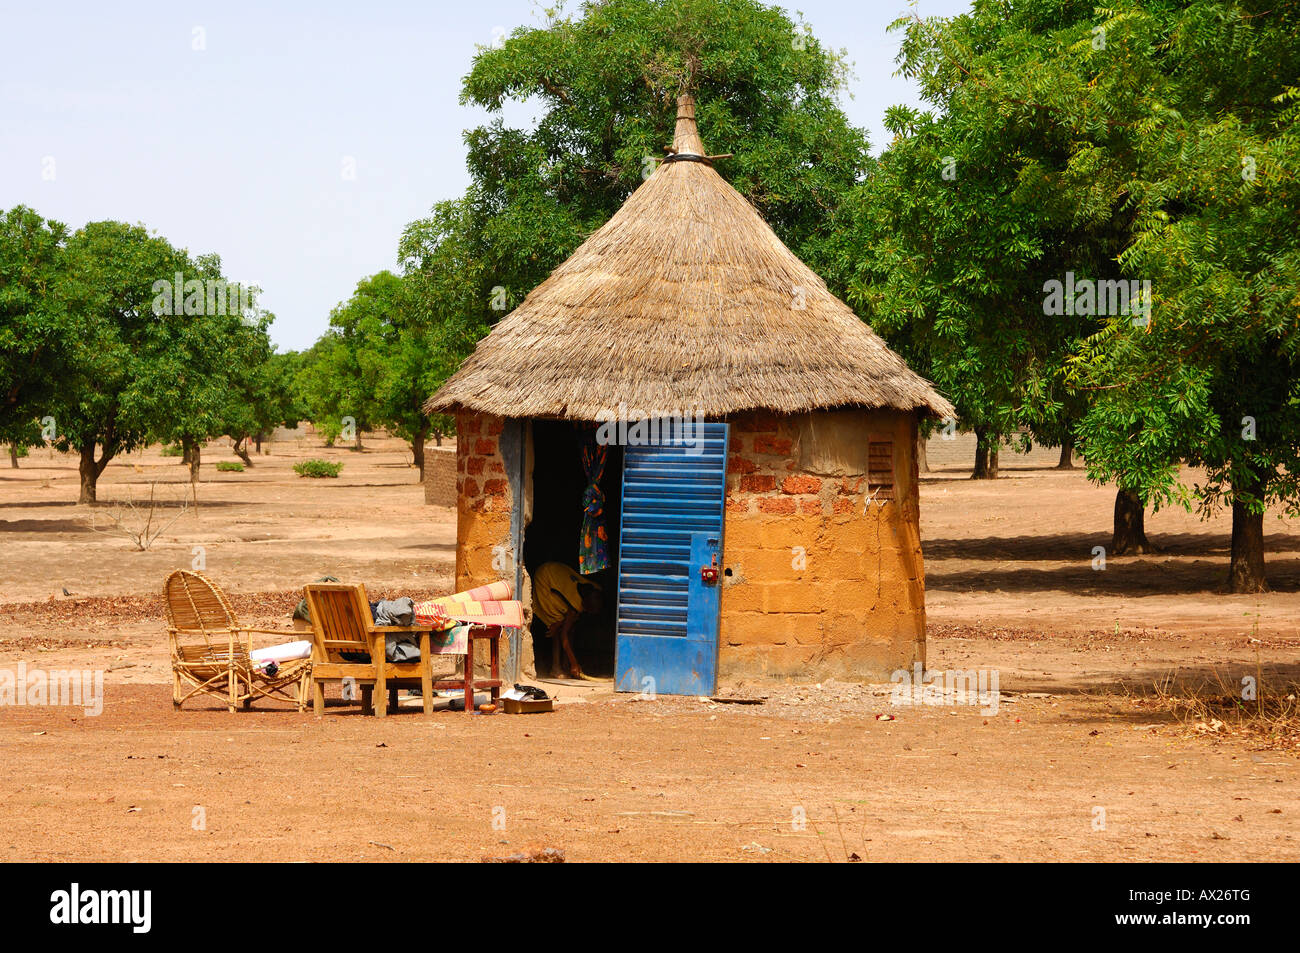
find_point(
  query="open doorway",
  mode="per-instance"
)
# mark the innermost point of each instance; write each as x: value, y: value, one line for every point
x: 553, y: 535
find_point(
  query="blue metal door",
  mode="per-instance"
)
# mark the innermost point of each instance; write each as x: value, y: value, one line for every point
x: 673, y: 493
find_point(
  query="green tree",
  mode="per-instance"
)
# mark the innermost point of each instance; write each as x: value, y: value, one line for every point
x: 445, y: 262
x: 265, y: 396
x: 206, y: 360
x: 144, y: 359
x: 1215, y: 377
x: 33, y: 324
x: 337, y: 394
x: 386, y: 337
x: 111, y: 377
x: 974, y: 205
x: 1112, y: 143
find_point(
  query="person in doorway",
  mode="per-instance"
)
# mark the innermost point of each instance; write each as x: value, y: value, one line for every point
x: 561, y: 596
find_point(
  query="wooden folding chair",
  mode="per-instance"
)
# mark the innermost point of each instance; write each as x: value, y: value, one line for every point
x: 210, y: 649
x: 341, y: 622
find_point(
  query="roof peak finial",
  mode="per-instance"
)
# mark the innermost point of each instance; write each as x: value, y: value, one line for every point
x: 686, y: 138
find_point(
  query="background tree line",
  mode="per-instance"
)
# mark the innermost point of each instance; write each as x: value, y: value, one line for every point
x: 1153, y: 141
x: 98, y: 357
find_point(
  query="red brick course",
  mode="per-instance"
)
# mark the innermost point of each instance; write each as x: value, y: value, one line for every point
x: 482, y: 487
x: 796, y: 485
x: 777, y: 446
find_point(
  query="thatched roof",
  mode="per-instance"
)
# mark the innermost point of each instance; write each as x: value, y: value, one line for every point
x: 685, y: 301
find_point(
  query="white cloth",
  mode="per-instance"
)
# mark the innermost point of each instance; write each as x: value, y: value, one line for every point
x: 282, y: 653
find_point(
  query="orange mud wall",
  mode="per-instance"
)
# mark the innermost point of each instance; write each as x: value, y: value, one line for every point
x: 440, y: 476
x: 821, y: 547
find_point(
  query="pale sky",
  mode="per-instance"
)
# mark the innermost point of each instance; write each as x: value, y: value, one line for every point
x: 227, y: 127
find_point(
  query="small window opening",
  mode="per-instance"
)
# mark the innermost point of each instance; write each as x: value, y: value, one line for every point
x: 880, y: 469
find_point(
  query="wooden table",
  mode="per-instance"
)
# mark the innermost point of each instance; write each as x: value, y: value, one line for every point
x: 478, y: 633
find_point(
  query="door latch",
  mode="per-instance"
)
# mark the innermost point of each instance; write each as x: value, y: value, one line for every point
x: 709, y: 573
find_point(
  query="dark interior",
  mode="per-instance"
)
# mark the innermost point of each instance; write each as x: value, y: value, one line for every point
x: 553, y: 535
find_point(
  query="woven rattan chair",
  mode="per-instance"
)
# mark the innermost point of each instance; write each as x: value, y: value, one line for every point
x: 210, y: 649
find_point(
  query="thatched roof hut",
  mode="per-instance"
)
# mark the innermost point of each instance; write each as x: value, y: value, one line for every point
x: 783, y: 537
x: 684, y: 300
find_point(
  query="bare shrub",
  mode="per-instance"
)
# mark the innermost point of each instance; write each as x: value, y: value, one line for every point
x: 140, y: 521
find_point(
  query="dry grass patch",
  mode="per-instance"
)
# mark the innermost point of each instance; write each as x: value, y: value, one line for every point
x: 1263, y: 714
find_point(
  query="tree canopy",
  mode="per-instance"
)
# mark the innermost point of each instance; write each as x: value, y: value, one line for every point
x: 605, y: 82
x: 1101, y: 151
x: 115, y: 338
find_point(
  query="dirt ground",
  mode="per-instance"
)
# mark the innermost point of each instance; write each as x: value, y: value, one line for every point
x: 1080, y: 761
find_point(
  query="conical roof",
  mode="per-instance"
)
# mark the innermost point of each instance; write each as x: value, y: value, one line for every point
x: 685, y: 301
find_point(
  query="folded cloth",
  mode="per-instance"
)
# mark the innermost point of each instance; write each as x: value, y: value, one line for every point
x: 486, y: 605
x: 453, y: 641
x: 397, y: 648
x: 506, y: 613
x: 492, y: 592
x: 401, y: 648
x: 393, y: 611
x: 433, y: 616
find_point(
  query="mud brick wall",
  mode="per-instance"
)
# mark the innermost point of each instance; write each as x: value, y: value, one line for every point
x: 440, y: 476
x: 482, y: 499
x: 819, y: 580
x: 483, y: 510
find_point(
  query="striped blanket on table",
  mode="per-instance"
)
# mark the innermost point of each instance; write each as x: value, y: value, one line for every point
x: 451, y: 616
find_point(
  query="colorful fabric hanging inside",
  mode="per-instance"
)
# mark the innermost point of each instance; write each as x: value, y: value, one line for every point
x: 593, y: 547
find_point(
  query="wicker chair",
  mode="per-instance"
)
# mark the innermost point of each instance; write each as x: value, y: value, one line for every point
x: 210, y: 649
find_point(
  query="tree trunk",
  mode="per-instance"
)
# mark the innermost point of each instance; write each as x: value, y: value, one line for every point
x: 922, y: 460
x: 257, y: 441
x: 185, y: 453
x: 417, y: 449
x: 241, y: 450
x: 89, y: 469
x: 358, y: 446
x: 437, y: 436
x: 986, y: 457
x: 89, y: 476
x: 194, y: 456
x: 1067, y: 453
x: 1129, y: 537
x: 13, y: 457
x: 1246, y: 568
